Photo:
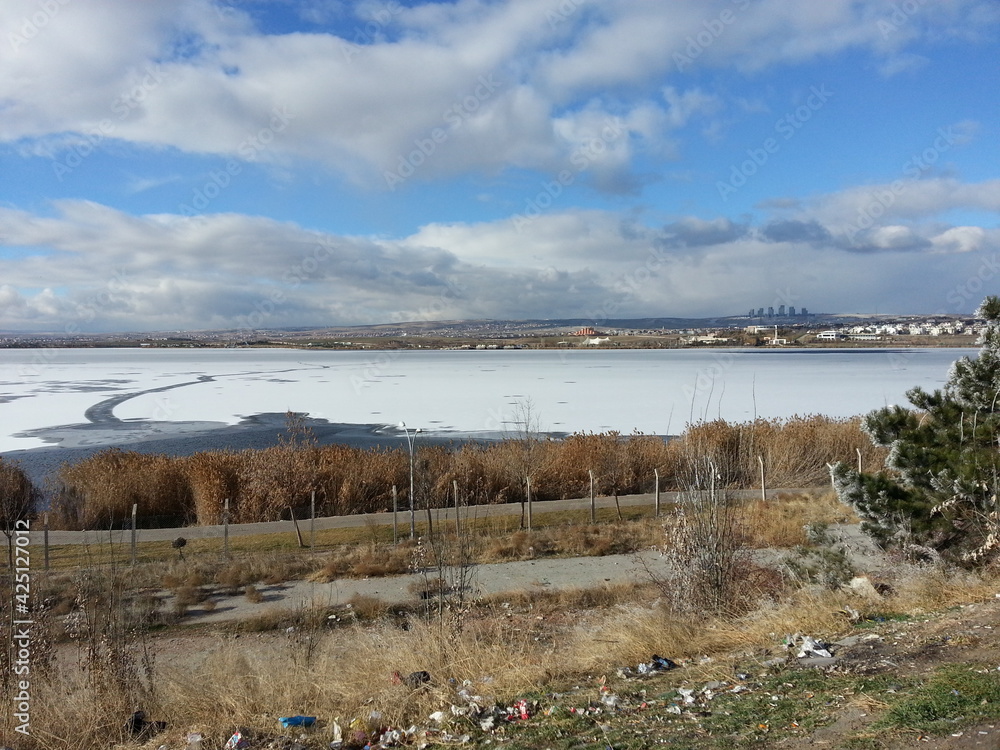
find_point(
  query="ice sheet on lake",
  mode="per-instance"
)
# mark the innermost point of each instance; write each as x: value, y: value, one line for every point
x: 651, y: 391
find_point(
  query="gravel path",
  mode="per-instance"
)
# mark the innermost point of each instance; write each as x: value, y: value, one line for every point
x: 494, y: 578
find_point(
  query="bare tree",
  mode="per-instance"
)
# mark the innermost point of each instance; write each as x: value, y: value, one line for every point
x: 522, y: 436
x: 706, y: 545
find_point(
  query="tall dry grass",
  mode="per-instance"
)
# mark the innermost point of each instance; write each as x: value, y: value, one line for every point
x: 263, y: 484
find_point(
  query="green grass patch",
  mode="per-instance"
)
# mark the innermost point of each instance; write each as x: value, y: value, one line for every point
x: 954, y: 696
x: 106, y: 549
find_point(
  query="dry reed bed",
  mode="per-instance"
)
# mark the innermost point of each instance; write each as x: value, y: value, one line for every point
x: 262, y: 484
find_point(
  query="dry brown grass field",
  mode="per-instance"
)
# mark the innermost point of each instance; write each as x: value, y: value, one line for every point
x: 110, y: 638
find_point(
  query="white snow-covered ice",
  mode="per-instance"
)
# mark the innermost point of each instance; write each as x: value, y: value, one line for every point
x: 651, y: 391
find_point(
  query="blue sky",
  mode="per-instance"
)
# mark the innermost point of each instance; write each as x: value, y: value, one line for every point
x: 265, y: 163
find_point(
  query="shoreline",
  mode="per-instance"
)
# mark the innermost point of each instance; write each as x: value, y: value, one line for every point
x: 73, y: 443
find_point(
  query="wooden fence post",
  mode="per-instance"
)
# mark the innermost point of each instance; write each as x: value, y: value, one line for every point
x: 395, y: 508
x: 135, y: 508
x: 527, y: 491
x: 593, y: 504
x: 225, y: 528
x: 763, y: 485
x: 45, y: 535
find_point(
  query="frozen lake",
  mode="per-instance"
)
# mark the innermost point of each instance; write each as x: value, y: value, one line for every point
x: 136, y: 393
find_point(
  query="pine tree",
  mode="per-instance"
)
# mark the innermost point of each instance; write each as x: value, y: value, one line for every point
x: 936, y: 498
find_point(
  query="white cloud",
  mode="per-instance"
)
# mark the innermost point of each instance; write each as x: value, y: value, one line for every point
x: 202, y: 79
x: 108, y: 270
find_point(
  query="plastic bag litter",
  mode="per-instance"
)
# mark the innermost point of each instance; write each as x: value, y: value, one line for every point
x: 610, y: 699
x: 297, y: 721
x: 812, y: 647
x: 656, y: 664
x: 391, y: 738
x: 520, y: 710
x: 336, y: 735
x: 237, y: 742
x: 413, y: 680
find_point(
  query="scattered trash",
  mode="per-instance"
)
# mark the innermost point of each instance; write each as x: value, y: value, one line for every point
x: 297, y: 721
x: 852, y: 614
x: 336, y: 735
x: 194, y: 741
x: 391, y: 738
x: 811, y: 647
x: 237, y: 742
x: 412, y: 680
x: 519, y: 711
x: 137, y: 725
x: 610, y: 699
x: 655, y: 664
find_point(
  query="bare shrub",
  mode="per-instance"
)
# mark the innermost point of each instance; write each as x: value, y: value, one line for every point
x: 706, y: 547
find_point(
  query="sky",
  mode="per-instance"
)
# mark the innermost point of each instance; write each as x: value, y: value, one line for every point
x: 256, y: 164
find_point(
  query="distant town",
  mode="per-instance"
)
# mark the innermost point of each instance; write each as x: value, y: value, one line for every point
x: 769, y: 326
